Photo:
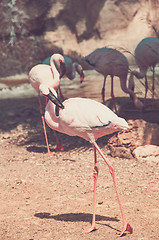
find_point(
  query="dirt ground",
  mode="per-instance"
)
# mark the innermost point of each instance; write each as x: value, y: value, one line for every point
x: 45, y: 198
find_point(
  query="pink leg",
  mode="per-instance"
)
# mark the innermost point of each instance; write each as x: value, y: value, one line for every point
x: 95, y: 175
x: 49, y: 153
x: 126, y: 225
x: 59, y: 147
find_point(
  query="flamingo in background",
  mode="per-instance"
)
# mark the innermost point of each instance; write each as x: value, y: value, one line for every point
x: 70, y: 70
x: 109, y: 61
x: 41, y: 75
x: 146, y: 55
x: 90, y: 120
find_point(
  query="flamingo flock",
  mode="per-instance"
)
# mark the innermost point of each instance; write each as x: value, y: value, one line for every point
x: 84, y: 117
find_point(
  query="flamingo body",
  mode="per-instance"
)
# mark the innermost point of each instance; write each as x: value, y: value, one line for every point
x: 147, y: 53
x: 83, y: 117
x: 108, y: 61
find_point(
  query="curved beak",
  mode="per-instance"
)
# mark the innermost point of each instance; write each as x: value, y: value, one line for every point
x: 81, y: 77
x: 54, y: 99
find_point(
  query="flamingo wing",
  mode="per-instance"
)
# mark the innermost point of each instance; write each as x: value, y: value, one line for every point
x: 87, y: 113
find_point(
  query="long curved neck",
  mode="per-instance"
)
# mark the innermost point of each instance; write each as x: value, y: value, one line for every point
x: 79, y: 69
x: 55, y: 72
x: 73, y: 72
x: 50, y: 116
x: 76, y: 67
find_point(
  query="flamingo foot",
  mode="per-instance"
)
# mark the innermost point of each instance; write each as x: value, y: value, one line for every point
x: 126, y: 227
x: 49, y: 153
x: 59, y: 147
x: 90, y: 229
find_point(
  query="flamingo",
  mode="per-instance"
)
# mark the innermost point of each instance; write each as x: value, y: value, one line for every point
x: 146, y: 55
x: 43, y: 74
x: 71, y: 69
x: 109, y: 61
x: 90, y: 120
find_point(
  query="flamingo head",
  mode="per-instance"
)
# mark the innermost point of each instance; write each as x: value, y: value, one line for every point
x: 53, y: 98
x: 79, y: 69
x: 82, y: 77
x: 51, y: 94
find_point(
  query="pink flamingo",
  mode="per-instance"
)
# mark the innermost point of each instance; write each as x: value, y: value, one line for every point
x: 109, y: 61
x: 90, y: 120
x: 146, y: 55
x: 70, y: 70
x: 41, y: 75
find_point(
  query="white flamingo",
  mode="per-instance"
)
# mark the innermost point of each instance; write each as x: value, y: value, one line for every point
x: 46, y: 75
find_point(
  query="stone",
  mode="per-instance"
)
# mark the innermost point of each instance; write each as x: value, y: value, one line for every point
x: 121, y: 152
x: 140, y: 133
x: 6, y: 136
x: 148, y: 152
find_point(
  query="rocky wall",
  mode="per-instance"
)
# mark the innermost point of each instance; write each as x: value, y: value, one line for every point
x: 32, y: 30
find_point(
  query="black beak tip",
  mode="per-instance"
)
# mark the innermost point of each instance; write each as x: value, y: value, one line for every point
x: 55, y: 100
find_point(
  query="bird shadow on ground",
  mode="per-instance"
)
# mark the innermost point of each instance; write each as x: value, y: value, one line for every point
x: 68, y: 142
x: 36, y: 149
x: 77, y: 217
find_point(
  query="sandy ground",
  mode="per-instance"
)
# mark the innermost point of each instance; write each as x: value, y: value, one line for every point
x: 45, y: 198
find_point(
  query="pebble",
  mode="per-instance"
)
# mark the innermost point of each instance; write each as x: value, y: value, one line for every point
x: 6, y: 136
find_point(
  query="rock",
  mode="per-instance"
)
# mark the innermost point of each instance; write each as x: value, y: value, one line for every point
x: 147, y: 152
x: 19, y: 127
x: 140, y: 133
x: 121, y: 152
